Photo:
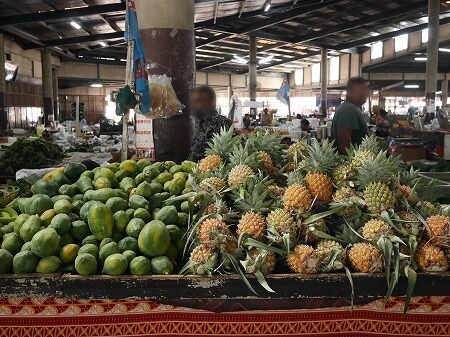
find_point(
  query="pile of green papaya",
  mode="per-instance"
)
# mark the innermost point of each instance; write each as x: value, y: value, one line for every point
x: 124, y: 218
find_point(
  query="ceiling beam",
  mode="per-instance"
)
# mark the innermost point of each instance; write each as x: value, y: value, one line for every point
x: 215, y: 63
x: 62, y: 14
x: 388, y: 35
x: 82, y: 39
x: 295, y: 58
x: 361, y: 22
x: 213, y: 39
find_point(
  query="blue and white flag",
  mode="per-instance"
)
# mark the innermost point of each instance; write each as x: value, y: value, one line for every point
x: 139, y: 64
x: 283, y: 92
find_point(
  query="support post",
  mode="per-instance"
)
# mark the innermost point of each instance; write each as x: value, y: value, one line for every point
x: 444, y: 89
x: 47, y: 85
x: 167, y: 33
x: 253, y: 66
x: 3, y: 112
x: 323, y: 80
x: 432, y: 54
x: 55, y: 94
x: 77, y: 116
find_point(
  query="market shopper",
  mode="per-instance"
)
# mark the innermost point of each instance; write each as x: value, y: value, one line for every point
x: 349, y: 126
x: 207, y: 120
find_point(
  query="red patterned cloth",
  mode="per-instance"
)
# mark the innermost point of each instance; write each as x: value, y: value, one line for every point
x: 52, y: 317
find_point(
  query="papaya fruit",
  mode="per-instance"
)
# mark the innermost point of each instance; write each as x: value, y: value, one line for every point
x: 100, y: 221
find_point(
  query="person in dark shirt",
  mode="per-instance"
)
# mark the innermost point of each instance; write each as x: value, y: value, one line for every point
x: 349, y: 126
x: 207, y: 120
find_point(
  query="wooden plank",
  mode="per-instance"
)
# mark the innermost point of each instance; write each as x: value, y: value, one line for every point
x: 174, y: 287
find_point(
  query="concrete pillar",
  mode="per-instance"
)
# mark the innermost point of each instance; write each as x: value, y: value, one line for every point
x: 55, y: 94
x: 444, y: 89
x: 47, y: 85
x: 3, y: 112
x: 323, y: 80
x: 167, y: 33
x: 432, y: 54
x: 253, y: 66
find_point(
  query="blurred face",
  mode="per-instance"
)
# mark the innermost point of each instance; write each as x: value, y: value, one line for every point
x: 201, y: 104
x: 358, y: 94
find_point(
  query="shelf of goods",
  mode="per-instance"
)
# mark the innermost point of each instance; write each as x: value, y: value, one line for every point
x: 254, y: 226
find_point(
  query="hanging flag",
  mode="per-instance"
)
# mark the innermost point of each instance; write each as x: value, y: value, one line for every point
x: 139, y: 63
x: 283, y: 92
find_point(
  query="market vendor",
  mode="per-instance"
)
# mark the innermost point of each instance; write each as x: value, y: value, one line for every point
x: 382, y: 124
x: 349, y: 126
x: 207, y: 120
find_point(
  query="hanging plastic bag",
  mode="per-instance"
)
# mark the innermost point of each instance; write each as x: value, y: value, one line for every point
x: 165, y: 103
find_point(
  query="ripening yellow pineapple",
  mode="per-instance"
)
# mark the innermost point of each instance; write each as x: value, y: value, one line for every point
x: 365, y: 258
x: 253, y: 224
x: 266, y: 163
x: 209, y: 163
x: 212, y: 185
x: 213, y: 233
x: 431, y: 258
x: 297, y: 198
x: 203, y: 260
x: 319, y: 162
x: 374, y: 229
x: 439, y: 230
x: 304, y: 260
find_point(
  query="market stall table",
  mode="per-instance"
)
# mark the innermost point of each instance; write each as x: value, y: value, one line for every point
x: 314, y: 305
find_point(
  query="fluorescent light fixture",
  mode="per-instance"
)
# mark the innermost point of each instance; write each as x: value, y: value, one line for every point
x: 123, y: 60
x: 103, y: 44
x: 266, y: 60
x: 420, y: 59
x: 445, y: 50
x: 412, y: 86
x: 266, y: 9
x: 239, y: 60
x: 97, y: 85
x: 344, y: 93
x: 75, y: 25
x: 438, y: 92
x: 375, y: 93
x: 374, y: 34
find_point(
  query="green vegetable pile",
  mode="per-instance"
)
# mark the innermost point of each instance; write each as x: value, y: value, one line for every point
x: 30, y: 153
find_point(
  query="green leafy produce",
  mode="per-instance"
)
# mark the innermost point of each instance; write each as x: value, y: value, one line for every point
x: 30, y: 153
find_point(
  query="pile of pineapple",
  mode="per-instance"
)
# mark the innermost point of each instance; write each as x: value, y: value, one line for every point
x: 266, y: 208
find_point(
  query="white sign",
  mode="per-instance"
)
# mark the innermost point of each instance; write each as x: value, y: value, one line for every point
x: 252, y: 104
x: 145, y: 147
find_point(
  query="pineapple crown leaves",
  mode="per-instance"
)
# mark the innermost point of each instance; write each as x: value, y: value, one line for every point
x: 409, y: 178
x: 369, y: 143
x: 254, y: 195
x: 222, y: 143
x: 268, y: 142
x: 242, y: 155
x: 295, y: 177
x: 381, y: 169
x: 321, y: 158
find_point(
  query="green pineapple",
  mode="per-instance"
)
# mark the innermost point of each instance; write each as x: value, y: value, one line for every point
x: 374, y: 178
x: 223, y: 143
x: 269, y: 143
x: 368, y: 149
x: 243, y: 164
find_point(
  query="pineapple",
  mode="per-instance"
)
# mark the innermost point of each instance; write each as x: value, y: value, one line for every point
x: 269, y: 147
x: 289, y: 167
x: 210, y: 163
x: 431, y: 258
x: 326, y: 249
x: 276, y: 191
x: 222, y: 144
x: 344, y: 195
x: 243, y: 164
x: 259, y: 260
x: 365, y: 258
x: 203, y: 260
x: 367, y: 150
x: 213, y: 233
x: 341, y: 174
x: 319, y: 162
x: 297, y: 151
x: 304, y: 260
x: 280, y: 222
x: 254, y: 196
x: 212, y: 185
x: 374, y: 229
x: 439, y: 230
x: 217, y: 207
x: 427, y: 209
x: 253, y: 224
x: 297, y: 198
x: 407, y: 192
x: 374, y: 177
x: 307, y: 231
x: 266, y: 162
